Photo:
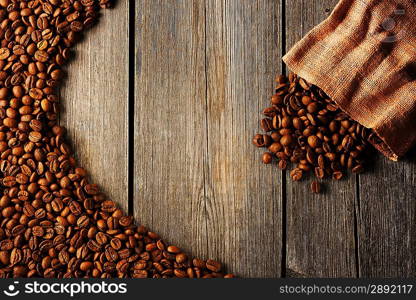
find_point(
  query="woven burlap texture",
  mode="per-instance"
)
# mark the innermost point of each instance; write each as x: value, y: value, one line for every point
x: 364, y: 57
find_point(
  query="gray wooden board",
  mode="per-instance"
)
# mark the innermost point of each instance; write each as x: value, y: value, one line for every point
x: 320, y: 228
x: 170, y: 136
x: 94, y: 100
x: 243, y: 196
x: 387, y: 223
x: 204, y: 71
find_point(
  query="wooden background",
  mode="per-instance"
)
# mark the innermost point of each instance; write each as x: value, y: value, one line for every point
x: 162, y: 102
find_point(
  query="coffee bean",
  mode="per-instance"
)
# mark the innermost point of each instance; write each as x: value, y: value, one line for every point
x: 41, y: 56
x: 358, y: 169
x: 85, y: 266
x: 275, y: 147
x: 181, y: 258
x: 101, y: 238
x: 38, y: 231
x: 180, y: 273
x: 308, y: 128
x: 266, y: 125
x: 286, y: 140
x: 261, y: 140
x: 267, y: 158
x: 282, y: 164
x: 173, y: 249
x: 212, y: 265
x: 4, y: 53
x: 91, y: 189
x: 93, y: 246
x: 296, y: 174
x: 15, y: 256
x: 337, y: 175
x: 111, y: 254
x: 115, y: 243
x: 35, y: 136
x: 319, y: 172
x: 276, y: 99
x: 313, y: 141
x: 315, y: 187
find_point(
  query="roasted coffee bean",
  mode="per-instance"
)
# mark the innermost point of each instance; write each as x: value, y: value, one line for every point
x: 313, y: 141
x: 337, y: 175
x: 306, y: 127
x: 116, y: 243
x: 94, y: 246
x: 213, y: 265
x: 101, y: 238
x: 54, y: 222
x: 315, y: 187
x: 358, y: 169
x: 275, y: 147
x: 266, y: 125
x: 296, y: 174
x: 173, y: 249
x: 282, y: 164
x: 267, y: 158
x: 181, y: 258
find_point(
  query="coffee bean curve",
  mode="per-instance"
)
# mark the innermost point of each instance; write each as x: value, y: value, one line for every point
x: 53, y: 222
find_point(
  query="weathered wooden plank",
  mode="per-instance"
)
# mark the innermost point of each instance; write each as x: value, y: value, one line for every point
x: 203, y: 74
x: 243, y: 197
x: 170, y: 122
x: 387, y: 218
x: 95, y: 102
x: 320, y: 232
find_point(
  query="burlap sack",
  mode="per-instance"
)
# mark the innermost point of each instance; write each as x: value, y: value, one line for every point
x: 364, y: 57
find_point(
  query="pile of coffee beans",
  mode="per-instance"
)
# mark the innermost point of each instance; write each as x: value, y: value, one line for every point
x: 53, y: 222
x: 305, y: 127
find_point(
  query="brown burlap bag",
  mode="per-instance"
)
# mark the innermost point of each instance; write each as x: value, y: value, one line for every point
x: 364, y: 57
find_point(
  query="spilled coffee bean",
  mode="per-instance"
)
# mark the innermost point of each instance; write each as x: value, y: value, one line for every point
x: 303, y: 126
x: 315, y: 187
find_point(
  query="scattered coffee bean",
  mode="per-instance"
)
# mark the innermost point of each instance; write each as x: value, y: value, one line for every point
x: 305, y: 127
x: 315, y: 187
x: 267, y: 158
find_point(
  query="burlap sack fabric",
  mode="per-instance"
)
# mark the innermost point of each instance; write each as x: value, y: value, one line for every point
x: 364, y: 57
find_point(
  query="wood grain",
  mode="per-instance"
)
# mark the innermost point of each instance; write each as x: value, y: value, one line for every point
x: 169, y: 122
x: 203, y: 69
x: 95, y: 102
x: 243, y: 197
x: 387, y: 219
x: 320, y: 228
